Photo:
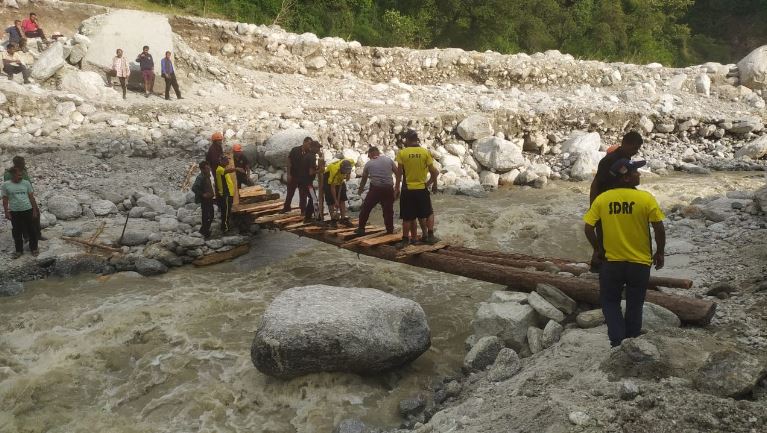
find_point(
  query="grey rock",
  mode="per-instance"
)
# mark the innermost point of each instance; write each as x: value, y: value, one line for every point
x: 506, y: 365
x: 73, y: 231
x: 752, y: 69
x: 352, y: 426
x: 69, y: 264
x: 103, y: 207
x: 534, y: 339
x: 754, y: 150
x: 760, y: 199
x: 136, y: 212
x: 135, y: 237
x: 453, y: 389
x: 721, y: 287
x: 190, y: 241
x: 498, y: 154
x: 508, y: 321
x: 168, y: 224
x: 234, y: 240
x: 655, y: 317
x: 744, y: 126
x: 482, y: 354
x: 730, y: 374
x: 214, y: 244
x: 556, y: 298
x: 176, y: 199
x: 507, y: 296
x: 412, y: 406
x: 275, y: 150
x: 551, y: 334
x: 49, y: 62
x: 544, y: 307
x: 152, y: 202
x: 148, y: 267
x: 11, y: 288
x: 64, y: 208
x: 323, y: 328
x: 590, y: 319
x: 474, y: 127
x: 628, y: 390
x: 579, y: 418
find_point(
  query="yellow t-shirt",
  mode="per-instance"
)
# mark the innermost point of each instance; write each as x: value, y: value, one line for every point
x: 625, y: 214
x: 415, y: 161
x: 221, y: 172
x: 335, y: 177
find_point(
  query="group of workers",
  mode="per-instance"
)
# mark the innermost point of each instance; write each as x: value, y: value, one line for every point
x: 121, y: 70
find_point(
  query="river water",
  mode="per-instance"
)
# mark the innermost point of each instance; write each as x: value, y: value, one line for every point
x: 172, y: 353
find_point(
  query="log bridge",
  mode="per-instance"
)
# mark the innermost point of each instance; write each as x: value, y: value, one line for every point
x: 520, y: 272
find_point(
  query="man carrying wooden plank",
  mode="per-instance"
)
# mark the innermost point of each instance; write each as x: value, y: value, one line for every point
x: 335, y: 177
x: 625, y: 214
x: 380, y: 169
x: 414, y: 163
x: 203, y: 194
x: 224, y: 192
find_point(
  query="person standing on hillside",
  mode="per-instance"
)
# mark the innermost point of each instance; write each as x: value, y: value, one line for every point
x: 13, y: 65
x: 146, y: 64
x: 32, y: 28
x: 215, y: 152
x: 414, y: 163
x: 169, y: 74
x: 625, y: 253
x: 381, y: 170
x: 242, y: 166
x: 204, y: 194
x: 335, y: 177
x: 603, y: 180
x: 224, y: 192
x: 295, y: 157
x: 121, y: 70
x: 21, y: 209
x: 19, y: 163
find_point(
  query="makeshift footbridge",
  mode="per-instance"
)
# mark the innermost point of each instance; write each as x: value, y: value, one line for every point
x: 519, y: 271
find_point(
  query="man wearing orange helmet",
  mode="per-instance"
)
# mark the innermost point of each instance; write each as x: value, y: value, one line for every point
x: 242, y: 166
x: 215, y: 152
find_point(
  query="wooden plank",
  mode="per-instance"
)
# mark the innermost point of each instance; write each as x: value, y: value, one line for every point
x: 359, y: 240
x: 381, y: 240
x: 287, y: 221
x: 297, y: 225
x: 212, y: 259
x: 313, y: 229
x: 259, y: 199
x: 91, y: 244
x: 255, y: 207
x: 276, y: 216
x: 349, y: 235
x: 252, y: 191
x: 413, y: 250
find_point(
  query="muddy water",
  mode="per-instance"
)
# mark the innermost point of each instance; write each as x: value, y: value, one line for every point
x: 171, y: 354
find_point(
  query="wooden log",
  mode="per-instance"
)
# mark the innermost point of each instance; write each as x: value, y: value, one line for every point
x: 359, y: 240
x: 525, y: 261
x: 277, y: 215
x: 689, y: 310
x: 353, y: 234
x: 255, y: 207
x: 252, y: 191
x: 91, y: 244
x: 212, y: 259
x: 381, y: 240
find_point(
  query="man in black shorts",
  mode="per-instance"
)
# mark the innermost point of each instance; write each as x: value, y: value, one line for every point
x: 414, y: 163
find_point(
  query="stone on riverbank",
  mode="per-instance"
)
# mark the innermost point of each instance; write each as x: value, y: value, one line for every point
x: 64, y: 208
x: 753, y: 69
x: 482, y: 354
x: 323, y: 328
x: 508, y: 321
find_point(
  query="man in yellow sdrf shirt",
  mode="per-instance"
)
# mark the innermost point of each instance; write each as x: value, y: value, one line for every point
x: 625, y: 213
x: 335, y: 177
x: 414, y: 163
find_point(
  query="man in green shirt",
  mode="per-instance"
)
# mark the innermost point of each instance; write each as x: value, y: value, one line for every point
x: 18, y: 162
x: 21, y: 209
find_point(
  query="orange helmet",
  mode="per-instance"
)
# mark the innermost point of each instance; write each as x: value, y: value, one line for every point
x: 612, y: 148
x: 217, y: 136
x: 237, y: 148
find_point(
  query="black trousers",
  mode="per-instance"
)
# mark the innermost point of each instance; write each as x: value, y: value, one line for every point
x: 207, y: 216
x: 12, y: 70
x: 225, y: 207
x: 170, y: 80
x: 613, y: 277
x: 23, y: 224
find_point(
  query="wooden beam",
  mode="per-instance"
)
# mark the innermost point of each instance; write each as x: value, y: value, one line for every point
x: 381, y: 240
x: 91, y: 244
x: 214, y: 258
x: 252, y: 191
x: 412, y: 250
x: 276, y: 216
x: 353, y: 234
x: 255, y: 207
x: 289, y: 220
x: 259, y: 198
x: 359, y: 240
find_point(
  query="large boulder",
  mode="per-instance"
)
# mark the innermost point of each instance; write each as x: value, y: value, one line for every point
x: 760, y: 199
x: 276, y: 149
x: 49, y: 62
x: 103, y: 207
x: 498, y: 154
x: 151, y: 201
x: 508, y: 321
x: 87, y: 84
x: 322, y: 328
x: 64, y: 208
x: 585, y: 148
x: 109, y: 31
x: 475, y: 127
x: 753, y: 69
x: 754, y: 150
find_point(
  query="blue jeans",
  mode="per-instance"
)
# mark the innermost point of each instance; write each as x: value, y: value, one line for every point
x: 613, y: 277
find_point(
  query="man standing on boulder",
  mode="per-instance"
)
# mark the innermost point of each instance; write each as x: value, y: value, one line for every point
x: 626, y: 257
x: 381, y: 171
x: 295, y: 158
x: 203, y: 194
x: 146, y: 64
x: 225, y: 191
x: 169, y: 74
x: 21, y: 209
x: 603, y: 180
x: 414, y: 164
